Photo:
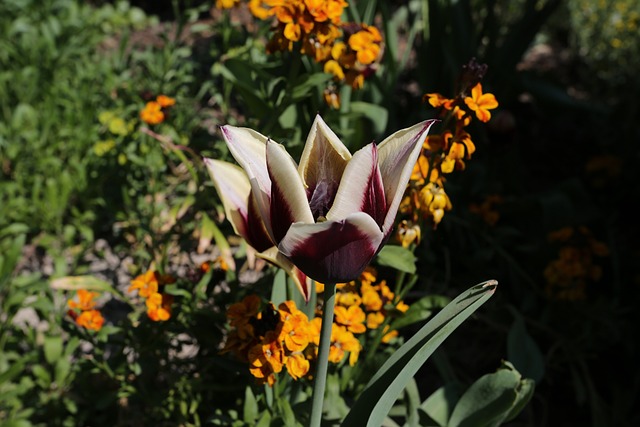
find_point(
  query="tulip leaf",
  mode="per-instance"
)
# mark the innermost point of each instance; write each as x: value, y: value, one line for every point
x: 440, y: 404
x: 420, y: 310
x: 523, y: 351
x: 386, y: 385
x: 397, y: 257
x: 492, y: 399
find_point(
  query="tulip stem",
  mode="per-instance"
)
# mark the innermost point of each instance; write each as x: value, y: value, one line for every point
x: 320, y: 380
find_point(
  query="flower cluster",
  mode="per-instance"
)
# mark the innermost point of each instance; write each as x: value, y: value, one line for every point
x: 316, y: 27
x: 487, y: 209
x: 444, y: 152
x: 271, y: 339
x: 567, y: 276
x: 149, y: 286
x: 155, y: 112
x: 83, y: 311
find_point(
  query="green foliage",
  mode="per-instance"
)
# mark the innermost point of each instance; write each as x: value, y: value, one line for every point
x: 79, y: 168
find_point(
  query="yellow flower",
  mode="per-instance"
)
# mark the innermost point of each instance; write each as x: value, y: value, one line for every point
x: 374, y: 319
x: 481, y: 103
x: 366, y: 44
x: 294, y: 328
x: 388, y: 336
x: 226, y: 4
x: 343, y: 341
x: 152, y: 113
x: 90, y: 319
x: 333, y: 67
x: 297, y: 366
x: 352, y: 318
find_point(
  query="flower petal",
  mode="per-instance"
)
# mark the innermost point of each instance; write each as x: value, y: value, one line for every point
x: 233, y: 187
x: 248, y: 147
x: 288, y: 198
x: 397, y: 156
x: 322, y: 163
x: 299, y: 278
x: 361, y: 188
x: 333, y: 251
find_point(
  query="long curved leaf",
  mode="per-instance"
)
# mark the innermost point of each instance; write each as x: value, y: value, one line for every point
x: 384, y: 388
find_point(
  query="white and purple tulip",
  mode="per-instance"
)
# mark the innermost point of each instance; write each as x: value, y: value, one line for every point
x: 327, y: 216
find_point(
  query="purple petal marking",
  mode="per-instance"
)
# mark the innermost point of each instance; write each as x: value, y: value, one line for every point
x: 288, y: 198
x: 333, y: 251
x: 374, y: 200
x: 398, y: 154
x: 257, y: 234
x: 361, y: 188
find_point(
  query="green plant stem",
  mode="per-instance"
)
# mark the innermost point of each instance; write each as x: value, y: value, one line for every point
x: 329, y: 297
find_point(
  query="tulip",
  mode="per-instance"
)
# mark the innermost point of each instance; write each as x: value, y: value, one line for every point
x: 329, y: 215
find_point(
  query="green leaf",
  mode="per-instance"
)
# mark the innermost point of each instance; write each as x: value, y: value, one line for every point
x: 421, y: 310
x: 440, y: 404
x: 386, y: 385
x: 250, y: 408
x: 523, y: 351
x: 90, y: 283
x: 492, y: 398
x: 379, y: 116
x: 279, y: 288
x: 174, y: 290
x: 52, y: 348
x: 397, y: 257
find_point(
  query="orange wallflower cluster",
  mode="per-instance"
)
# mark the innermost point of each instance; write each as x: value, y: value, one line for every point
x: 487, y: 209
x: 149, y: 286
x: 271, y: 339
x: 317, y: 28
x: 567, y: 276
x: 83, y: 310
x: 226, y: 4
x: 155, y: 112
x: 444, y: 152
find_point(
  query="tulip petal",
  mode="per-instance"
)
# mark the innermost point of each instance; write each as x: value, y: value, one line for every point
x: 333, y: 251
x: 234, y: 190
x: 397, y: 155
x: 248, y: 147
x: 233, y: 187
x: 288, y: 198
x: 322, y: 163
x: 298, y: 277
x: 361, y: 188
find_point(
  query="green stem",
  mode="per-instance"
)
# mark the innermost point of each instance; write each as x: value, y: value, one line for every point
x: 323, y: 354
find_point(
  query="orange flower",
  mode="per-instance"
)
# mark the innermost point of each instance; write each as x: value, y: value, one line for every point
x: 352, y: 318
x: 366, y: 44
x: 294, y: 329
x: 226, y: 4
x: 166, y: 101
x: 481, y: 103
x: 240, y: 314
x: 146, y: 284
x: 159, y: 306
x: 297, y: 366
x: 436, y: 100
x: 152, y: 113
x: 90, y: 319
x: 85, y: 300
